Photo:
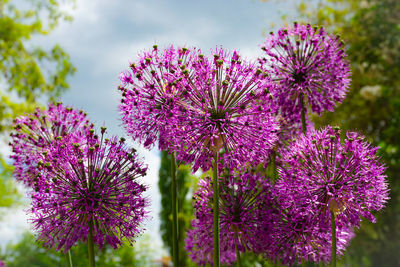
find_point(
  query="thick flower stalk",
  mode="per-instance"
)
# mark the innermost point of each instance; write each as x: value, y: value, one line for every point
x: 327, y: 176
x: 35, y: 132
x: 226, y: 107
x: 149, y: 95
x: 88, y: 191
x: 246, y: 210
x: 309, y: 66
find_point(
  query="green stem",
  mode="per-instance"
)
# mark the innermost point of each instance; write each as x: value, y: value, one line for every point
x: 238, y: 261
x: 175, y: 252
x: 303, y: 114
x: 92, y: 262
x: 274, y: 175
x: 216, y: 211
x: 69, y: 258
x: 333, y: 225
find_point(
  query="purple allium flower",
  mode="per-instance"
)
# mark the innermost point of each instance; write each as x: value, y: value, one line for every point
x: 299, y: 238
x: 308, y: 64
x: 246, y: 209
x: 321, y: 174
x: 199, y: 244
x: 225, y: 108
x: 300, y: 235
x: 327, y: 174
x: 2, y: 264
x: 149, y: 94
x: 88, y: 184
x: 36, y: 131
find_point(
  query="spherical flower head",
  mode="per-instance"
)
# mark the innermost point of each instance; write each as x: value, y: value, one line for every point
x: 301, y: 235
x: 149, y: 94
x: 308, y: 64
x: 225, y: 108
x: 199, y: 244
x: 329, y: 175
x: 246, y: 209
x: 34, y: 132
x: 90, y: 184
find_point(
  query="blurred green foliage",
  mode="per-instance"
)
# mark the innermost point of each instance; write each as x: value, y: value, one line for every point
x: 8, y: 192
x: 371, y: 32
x: 27, y: 72
x: 28, y: 253
x: 185, y: 182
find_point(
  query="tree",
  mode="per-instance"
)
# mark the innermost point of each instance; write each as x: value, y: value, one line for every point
x: 184, y: 181
x: 27, y: 73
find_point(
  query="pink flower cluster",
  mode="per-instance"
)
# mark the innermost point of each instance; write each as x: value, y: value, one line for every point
x: 80, y: 180
x: 34, y: 132
x: 309, y: 64
x: 197, y: 105
x: 247, y: 211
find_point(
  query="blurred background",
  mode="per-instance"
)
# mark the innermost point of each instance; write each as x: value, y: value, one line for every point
x: 73, y: 51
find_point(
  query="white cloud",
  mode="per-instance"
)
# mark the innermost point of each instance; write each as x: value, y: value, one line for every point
x: 152, y: 160
x: 13, y: 224
x: 5, y: 149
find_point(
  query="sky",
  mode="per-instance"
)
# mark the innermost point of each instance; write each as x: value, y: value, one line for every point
x: 105, y: 36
